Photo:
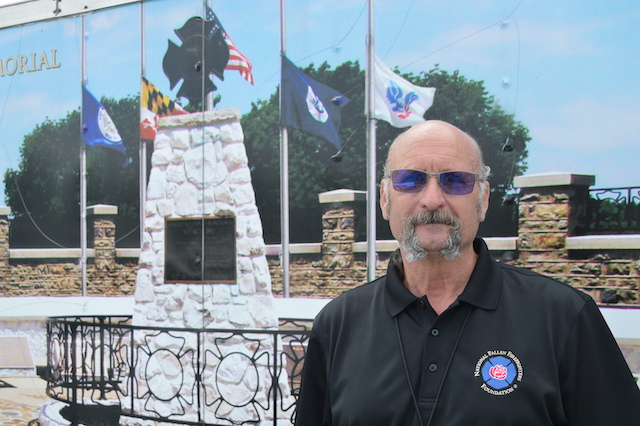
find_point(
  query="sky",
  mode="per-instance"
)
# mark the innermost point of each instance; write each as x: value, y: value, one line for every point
x: 566, y: 69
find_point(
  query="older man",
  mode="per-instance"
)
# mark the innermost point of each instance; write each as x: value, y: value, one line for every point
x: 449, y: 336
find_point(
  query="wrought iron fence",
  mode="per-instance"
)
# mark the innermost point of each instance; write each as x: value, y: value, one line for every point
x: 172, y: 375
x: 614, y: 211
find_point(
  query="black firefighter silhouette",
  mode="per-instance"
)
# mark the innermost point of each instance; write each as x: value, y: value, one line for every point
x: 203, y: 52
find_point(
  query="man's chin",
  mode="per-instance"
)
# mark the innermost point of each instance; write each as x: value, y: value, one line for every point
x: 433, y: 237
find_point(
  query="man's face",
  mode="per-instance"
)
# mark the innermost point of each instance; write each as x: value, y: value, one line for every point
x: 433, y: 148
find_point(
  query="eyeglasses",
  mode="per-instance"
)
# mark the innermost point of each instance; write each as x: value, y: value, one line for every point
x: 452, y: 183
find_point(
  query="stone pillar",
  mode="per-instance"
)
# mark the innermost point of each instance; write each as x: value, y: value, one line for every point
x: 102, y: 223
x: 200, y: 171
x: 4, y: 236
x: 342, y: 220
x: 552, y: 207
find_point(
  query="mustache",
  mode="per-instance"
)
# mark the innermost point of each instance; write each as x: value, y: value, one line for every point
x: 433, y: 217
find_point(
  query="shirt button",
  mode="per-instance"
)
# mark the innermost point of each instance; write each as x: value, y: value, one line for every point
x: 422, y: 304
x: 433, y: 368
x: 435, y: 332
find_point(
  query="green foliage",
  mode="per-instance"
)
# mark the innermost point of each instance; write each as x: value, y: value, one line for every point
x: 44, y: 193
x: 311, y: 170
x: 459, y: 101
x: 612, y: 216
x: 467, y: 105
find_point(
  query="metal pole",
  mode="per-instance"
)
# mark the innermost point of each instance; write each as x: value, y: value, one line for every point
x: 83, y: 178
x: 142, y: 152
x: 284, y: 173
x: 371, y: 153
x: 208, y: 102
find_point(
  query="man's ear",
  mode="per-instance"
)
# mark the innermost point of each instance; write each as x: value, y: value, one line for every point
x: 485, y: 201
x: 384, y: 199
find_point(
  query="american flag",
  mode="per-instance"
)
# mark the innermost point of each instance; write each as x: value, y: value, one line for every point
x: 237, y: 61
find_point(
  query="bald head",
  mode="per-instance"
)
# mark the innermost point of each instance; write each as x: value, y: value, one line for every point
x: 431, y: 135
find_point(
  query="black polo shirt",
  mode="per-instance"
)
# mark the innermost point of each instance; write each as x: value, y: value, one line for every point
x: 528, y: 351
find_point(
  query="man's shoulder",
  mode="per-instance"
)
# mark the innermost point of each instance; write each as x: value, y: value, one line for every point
x: 538, y: 285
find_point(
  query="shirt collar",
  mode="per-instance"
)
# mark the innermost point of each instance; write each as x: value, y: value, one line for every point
x: 397, y: 296
x: 485, y: 284
x: 482, y: 290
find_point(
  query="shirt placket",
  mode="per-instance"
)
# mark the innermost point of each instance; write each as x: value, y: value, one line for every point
x: 439, y: 335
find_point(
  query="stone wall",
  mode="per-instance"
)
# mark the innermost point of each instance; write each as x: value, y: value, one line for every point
x: 56, y: 272
x: 552, y: 215
x: 551, y: 218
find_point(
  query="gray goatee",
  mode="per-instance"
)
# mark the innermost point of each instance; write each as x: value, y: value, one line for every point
x: 410, y: 243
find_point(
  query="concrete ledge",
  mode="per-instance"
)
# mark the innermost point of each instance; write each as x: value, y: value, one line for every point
x: 604, y: 242
x: 382, y: 246
x: 622, y: 322
x: 501, y: 243
x: 589, y: 242
x: 40, y: 307
x: 197, y: 118
x: 102, y: 209
x: 302, y: 248
x: 65, y: 253
x: 342, y: 196
x: 23, y: 308
x: 128, y: 252
x: 553, y: 179
x: 298, y: 308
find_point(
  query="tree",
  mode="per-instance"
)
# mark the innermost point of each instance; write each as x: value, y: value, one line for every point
x: 44, y: 193
x: 464, y: 103
x: 311, y: 169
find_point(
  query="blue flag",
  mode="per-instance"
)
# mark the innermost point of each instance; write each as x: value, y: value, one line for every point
x: 97, y: 127
x: 310, y: 106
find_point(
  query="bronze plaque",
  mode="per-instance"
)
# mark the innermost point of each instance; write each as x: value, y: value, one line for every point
x: 200, y: 250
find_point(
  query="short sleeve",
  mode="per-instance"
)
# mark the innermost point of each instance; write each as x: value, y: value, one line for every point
x: 597, y: 386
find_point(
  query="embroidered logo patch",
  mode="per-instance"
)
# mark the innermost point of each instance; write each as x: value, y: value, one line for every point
x: 500, y: 371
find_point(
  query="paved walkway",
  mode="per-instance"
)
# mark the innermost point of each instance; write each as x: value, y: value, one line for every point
x: 20, y: 400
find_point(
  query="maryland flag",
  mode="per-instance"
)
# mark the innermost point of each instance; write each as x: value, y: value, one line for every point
x: 153, y: 104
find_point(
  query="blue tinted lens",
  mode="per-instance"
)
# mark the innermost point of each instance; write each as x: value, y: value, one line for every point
x: 453, y: 183
x: 408, y: 180
x: 457, y: 183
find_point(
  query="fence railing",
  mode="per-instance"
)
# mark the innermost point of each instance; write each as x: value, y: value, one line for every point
x: 614, y: 211
x: 107, y: 365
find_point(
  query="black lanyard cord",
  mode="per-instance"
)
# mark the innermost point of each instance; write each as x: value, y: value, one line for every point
x: 406, y: 372
x: 406, y: 369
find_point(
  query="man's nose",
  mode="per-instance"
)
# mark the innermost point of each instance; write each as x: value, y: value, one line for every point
x: 432, y: 197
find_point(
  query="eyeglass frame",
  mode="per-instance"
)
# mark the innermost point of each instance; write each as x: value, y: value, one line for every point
x: 419, y: 188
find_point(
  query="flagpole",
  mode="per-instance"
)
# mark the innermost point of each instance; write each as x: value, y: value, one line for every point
x: 208, y: 102
x: 371, y: 153
x: 284, y: 172
x: 142, y: 153
x: 83, y: 177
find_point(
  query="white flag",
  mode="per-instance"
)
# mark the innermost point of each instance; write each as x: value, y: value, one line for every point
x: 396, y: 100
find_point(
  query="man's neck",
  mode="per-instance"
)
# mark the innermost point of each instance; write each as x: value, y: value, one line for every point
x: 440, y: 280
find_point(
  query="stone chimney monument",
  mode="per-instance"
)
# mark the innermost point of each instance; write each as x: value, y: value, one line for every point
x: 203, y: 267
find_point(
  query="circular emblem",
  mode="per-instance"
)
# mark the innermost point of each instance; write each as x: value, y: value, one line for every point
x: 316, y: 107
x: 500, y: 371
x: 107, y: 128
